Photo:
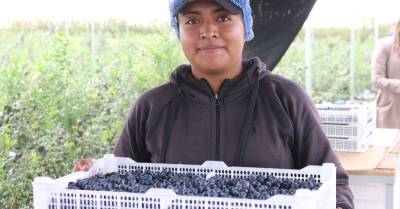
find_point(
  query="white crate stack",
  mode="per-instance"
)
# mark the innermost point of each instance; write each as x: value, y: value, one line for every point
x: 52, y: 193
x: 348, y: 127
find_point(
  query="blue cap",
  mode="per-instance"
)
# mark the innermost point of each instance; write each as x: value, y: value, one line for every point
x: 232, y: 6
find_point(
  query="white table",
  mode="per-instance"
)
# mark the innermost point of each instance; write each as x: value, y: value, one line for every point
x: 379, y: 164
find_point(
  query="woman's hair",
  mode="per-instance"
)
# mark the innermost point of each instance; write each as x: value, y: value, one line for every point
x: 397, y: 37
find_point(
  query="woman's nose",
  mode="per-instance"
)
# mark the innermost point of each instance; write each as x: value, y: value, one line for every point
x: 209, y: 30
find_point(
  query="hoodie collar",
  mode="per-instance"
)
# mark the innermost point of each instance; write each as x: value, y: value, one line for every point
x: 231, y: 89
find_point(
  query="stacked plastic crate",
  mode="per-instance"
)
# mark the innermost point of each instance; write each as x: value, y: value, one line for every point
x: 348, y: 126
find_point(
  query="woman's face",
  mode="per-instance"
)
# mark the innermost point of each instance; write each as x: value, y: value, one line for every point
x: 212, y: 39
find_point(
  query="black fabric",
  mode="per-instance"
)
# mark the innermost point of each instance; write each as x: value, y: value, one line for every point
x: 284, y: 132
x: 276, y: 24
x: 171, y: 117
x: 248, y: 121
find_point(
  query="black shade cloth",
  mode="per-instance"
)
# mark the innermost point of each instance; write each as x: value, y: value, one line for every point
x: 276, y: 24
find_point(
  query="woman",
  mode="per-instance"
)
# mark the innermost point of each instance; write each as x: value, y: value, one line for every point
x: 386, y: 78
x: 221, y: 107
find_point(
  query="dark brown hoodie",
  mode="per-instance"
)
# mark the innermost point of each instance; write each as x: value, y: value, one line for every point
x: 256, y: 120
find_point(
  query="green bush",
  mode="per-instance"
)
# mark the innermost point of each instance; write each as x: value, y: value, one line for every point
x: 60, y: 102
x: 64, y: 97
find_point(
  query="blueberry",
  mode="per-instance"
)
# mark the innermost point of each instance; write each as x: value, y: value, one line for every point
x: 243, y: 183
x: 138, y: 181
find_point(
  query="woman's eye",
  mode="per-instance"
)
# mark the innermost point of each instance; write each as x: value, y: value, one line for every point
x: 192, y: 21
x: 224, y: 18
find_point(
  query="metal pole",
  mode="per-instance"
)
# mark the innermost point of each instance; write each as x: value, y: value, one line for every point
x: 308, y: 44
x: 352, y: 61
x: 126, y: 28
x: 376, y: 30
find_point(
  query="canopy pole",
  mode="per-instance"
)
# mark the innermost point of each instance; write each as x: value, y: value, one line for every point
x: 308, y: 44
x: 352, y: 61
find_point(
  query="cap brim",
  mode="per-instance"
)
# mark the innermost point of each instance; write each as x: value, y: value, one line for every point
x: 226, y: 4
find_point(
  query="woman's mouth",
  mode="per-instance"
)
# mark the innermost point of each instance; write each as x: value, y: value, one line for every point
x: 210, y: 49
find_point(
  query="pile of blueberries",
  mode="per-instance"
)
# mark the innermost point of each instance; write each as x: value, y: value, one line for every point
x: 252, y: 187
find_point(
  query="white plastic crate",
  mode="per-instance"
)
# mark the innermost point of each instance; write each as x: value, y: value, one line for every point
x: 349, y: 138
x: 350, y: 144
x: 352, y: 130
x: 347, y: 113
x: 52, y: 194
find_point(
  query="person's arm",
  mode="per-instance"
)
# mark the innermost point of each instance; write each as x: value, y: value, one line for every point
x: 132, y: 139
x: 310, y: 144
x: 380, y: 61
x: 316, y: 151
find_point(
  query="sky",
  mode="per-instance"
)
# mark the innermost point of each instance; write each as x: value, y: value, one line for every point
x: 354, y: 12
x: 135, y: 11
x: 325, y: 12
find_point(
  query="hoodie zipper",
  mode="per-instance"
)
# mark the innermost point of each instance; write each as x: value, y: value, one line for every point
x: 217, y: 103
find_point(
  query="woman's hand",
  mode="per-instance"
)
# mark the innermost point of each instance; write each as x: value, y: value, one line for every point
x: 83, y: 165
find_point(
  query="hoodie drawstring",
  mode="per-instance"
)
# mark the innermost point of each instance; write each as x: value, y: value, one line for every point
x: 248, y: 121
x: 171, y: 117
